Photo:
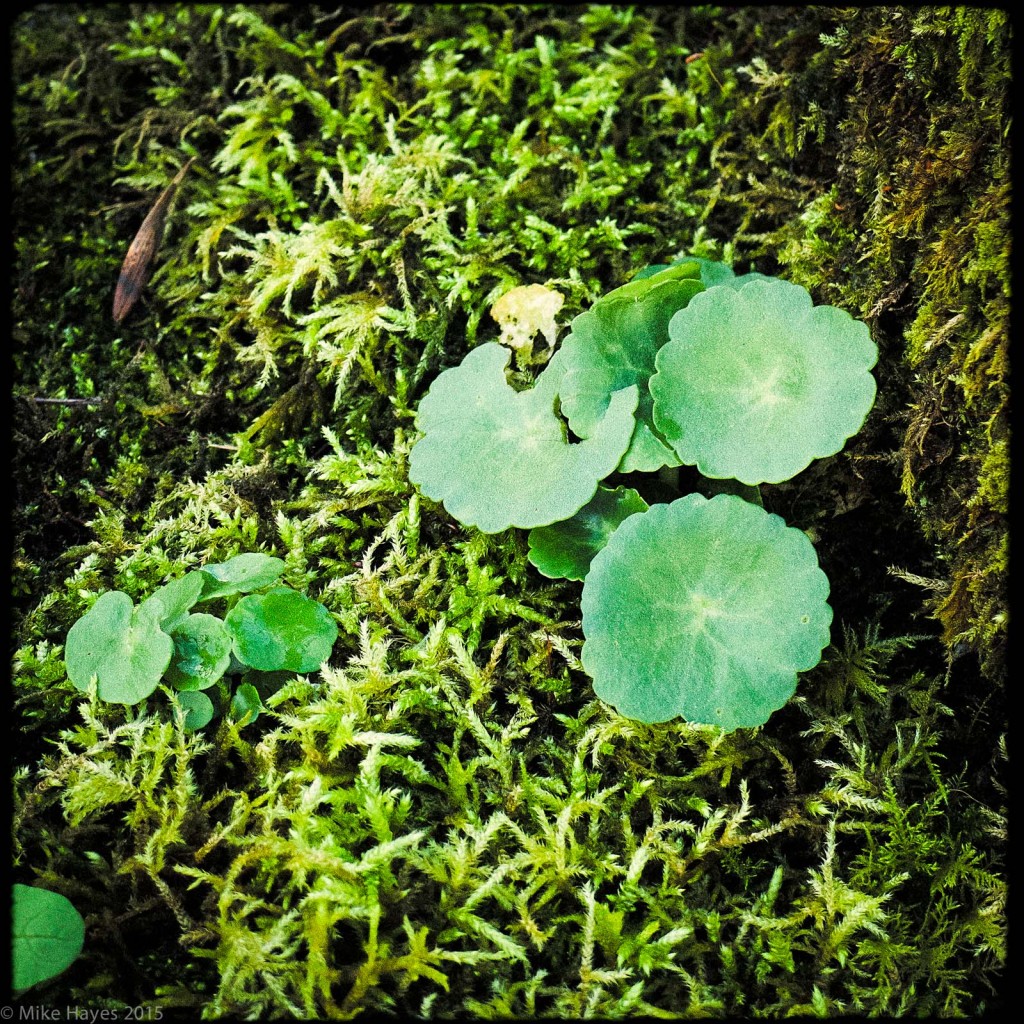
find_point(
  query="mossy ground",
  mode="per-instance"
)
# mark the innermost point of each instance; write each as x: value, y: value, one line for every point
x: 446, y: 822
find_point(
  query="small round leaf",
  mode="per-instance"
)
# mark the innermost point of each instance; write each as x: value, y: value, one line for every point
x: 202, y: 652
x: 241, y: 574
x: 566, y: 549
x: 705, y: 609
x: 198, y: 709
x: 246, y: 704
x: 756, y: 382
x: 281, y: 629
x: 499, y: 458
x: 119, y: 644
x: 171, y: 603
x: 47, y: 935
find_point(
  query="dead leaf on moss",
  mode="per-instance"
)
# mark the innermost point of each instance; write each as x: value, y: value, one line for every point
x: 525, y: 312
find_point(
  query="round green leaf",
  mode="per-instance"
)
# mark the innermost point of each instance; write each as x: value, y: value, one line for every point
x: 119, y: 644
x: 705, y: 608
x: 756, y: 382
x: 202, y: 652
x: 281, y: 629
x: 47, y: 934
x: 566, y: 549
x: 198, y: 709
x: 241, y: 574
x: 171, y: 603
x: 499, y: 458
x: 246, y: 704
x: 613, y: 345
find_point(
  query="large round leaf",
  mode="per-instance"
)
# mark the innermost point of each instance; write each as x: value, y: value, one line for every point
x: 281, y: 629
x: 756, y: 382
x: 705, y: 608
x: 499, y: 458
x: 47, y: 934
x: 566, y: 549
x: 613, y: 345
x: 123, y: 646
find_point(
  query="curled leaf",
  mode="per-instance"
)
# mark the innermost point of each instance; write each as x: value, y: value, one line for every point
x: 566, y: 549
x: 499, y: 458
x: 138, y: 261
x: 246, y: 704
x: 613, y: 345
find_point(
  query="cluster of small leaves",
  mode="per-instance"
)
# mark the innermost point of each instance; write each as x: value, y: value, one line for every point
x: 706, y: 609
x: 420, y: 833
x: 126, y: 650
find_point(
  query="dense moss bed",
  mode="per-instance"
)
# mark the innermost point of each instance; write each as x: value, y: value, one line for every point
x: 445, y: 821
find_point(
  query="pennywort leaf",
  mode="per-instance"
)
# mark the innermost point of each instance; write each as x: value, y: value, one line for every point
x: 202, y: 652
x: 246, y: 704
x: 241, y: 574
x: 281, y: 629
x: 171, y: 603
x: 705, y: 609
x: 198, y: 708
x: 613, y: 345
x: 566, y: 549
x: 499, y: 458
x: 121, y: 646
x: 756, y: 382
x: 47, y: 934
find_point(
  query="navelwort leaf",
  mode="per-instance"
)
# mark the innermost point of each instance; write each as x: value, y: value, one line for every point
x: 281, y: 629
x: 720, y: 638
x: 499, y: 458
x: 613, y: 345
x: 121, y: 645
x: 566, y: 549
x: 246, y: 704
x: 47, y: 934
x: 202, y: 652
x: 171, y: 603
x: 756, y: 382
x: 198, y: 708
x: 241, y: 574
